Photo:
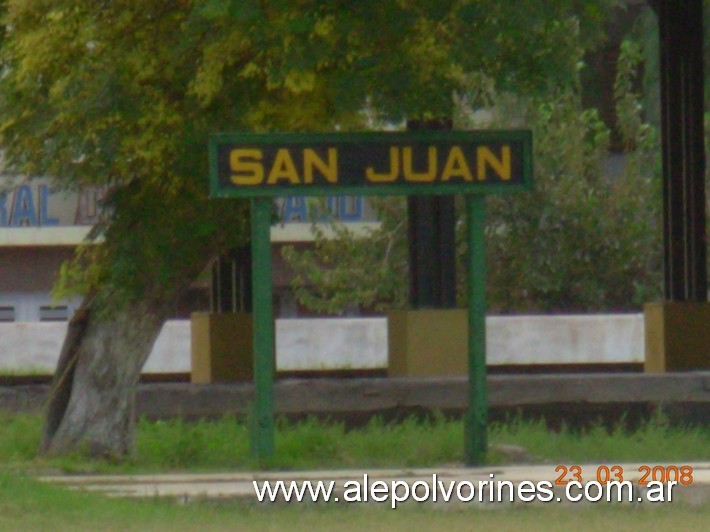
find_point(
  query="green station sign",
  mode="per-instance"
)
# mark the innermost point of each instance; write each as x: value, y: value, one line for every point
x: 406, y: 163
x: 472, y: 163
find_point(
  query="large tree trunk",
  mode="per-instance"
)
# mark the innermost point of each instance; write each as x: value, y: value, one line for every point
x: 91, y: 409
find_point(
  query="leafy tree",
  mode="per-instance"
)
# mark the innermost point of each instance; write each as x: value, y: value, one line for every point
x: 344, y: 269
x: 125, y: 93
x: 581, y: 241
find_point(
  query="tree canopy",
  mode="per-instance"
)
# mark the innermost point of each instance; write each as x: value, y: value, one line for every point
x: 126, y: 93
x: 586, y: 239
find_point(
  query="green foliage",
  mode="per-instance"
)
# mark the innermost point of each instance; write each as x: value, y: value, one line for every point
x: 126, y: 94
x: 100, y: 94
x: 582, y: 240
x: 586, y: 239
x: 80, y: 274
x: 345, y: 269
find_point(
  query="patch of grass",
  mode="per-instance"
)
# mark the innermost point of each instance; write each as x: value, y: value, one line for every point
x: 654, y: 441
x: 177, y: 444
x: 19, y: 438
x: 26, y: 504
x: 306, y: 444
x: 26, y: 371
x: 311, y: 444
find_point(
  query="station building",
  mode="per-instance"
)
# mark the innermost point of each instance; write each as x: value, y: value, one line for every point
x: 40, y: 228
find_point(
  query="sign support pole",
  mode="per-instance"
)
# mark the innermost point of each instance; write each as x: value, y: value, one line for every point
x: 476, y: 419
x: 262, y: 426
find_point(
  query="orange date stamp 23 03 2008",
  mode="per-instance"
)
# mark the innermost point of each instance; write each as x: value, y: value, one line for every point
x: 615, y: 473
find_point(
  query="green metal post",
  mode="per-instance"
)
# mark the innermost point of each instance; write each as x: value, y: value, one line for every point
x: 476, y: 419
x: 262, y: 428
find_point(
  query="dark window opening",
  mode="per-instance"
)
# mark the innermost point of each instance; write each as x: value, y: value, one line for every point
x: 49, y: 313
x: 7, y: 314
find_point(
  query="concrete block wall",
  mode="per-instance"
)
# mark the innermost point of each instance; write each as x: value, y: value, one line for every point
x: 361, y: 343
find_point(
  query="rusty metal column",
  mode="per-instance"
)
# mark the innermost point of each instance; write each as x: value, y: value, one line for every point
x: 231, y: 282
x: 685, y: 248
x: 432, y: 242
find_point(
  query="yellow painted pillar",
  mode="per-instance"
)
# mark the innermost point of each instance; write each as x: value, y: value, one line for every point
x: 222, y: 347
x: 677, y: 336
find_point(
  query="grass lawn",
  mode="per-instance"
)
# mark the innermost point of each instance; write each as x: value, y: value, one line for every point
x: 26, y: 504
x: 223, y: 445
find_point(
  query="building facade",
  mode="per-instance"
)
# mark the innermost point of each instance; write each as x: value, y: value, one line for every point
x: 40, y: 228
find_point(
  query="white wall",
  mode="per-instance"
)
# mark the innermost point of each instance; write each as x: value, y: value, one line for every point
x: 600, y: 339
x: 331, y: 343
x: 361, y: 343
x: 30, y: 346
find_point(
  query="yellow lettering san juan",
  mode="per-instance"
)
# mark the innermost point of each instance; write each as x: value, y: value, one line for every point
x: 306, y: 166
x: 248, y: 168
x: 457, y: 166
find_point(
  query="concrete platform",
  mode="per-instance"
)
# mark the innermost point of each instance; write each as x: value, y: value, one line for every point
x: 684, y: 397
x: 239, y: 485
